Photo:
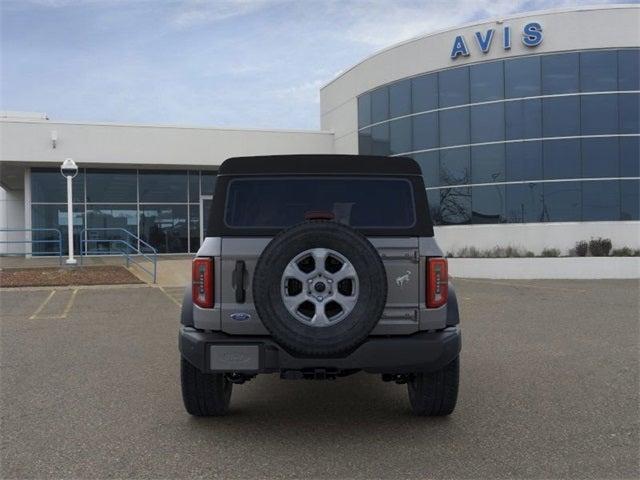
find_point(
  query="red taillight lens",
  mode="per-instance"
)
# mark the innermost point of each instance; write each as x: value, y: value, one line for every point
x: 202, y: 282
x: 437, y: 282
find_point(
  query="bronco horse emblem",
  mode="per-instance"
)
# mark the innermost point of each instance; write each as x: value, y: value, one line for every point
x: 401, y: 280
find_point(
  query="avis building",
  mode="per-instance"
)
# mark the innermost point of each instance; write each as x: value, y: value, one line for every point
x: 526, y: 129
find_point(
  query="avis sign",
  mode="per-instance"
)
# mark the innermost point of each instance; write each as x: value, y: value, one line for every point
x: 531, y: 37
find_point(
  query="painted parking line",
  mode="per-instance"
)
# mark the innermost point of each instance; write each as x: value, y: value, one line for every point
x: 38, y: 315
x: 170, y: 296
x: 42, y: 305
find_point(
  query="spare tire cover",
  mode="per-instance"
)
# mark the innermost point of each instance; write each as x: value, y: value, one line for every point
x: 319, y: 287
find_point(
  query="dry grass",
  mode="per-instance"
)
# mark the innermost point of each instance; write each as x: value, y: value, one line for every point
x: 60, y: 276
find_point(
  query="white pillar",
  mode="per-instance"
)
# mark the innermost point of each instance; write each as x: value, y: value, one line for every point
x: 70, y: 260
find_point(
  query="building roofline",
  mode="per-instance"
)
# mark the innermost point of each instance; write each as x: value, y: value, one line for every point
x: 481, y: 22
x: 149, y: 125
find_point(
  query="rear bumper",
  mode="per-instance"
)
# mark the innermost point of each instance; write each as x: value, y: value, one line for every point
x: 219, y: 352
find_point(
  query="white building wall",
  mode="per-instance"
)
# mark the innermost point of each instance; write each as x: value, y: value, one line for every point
x: 11, y: 217
x: 29, y: 141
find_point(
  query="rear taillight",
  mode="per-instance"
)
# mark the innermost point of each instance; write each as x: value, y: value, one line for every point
x: 437, y: 282
x: 202, y: 282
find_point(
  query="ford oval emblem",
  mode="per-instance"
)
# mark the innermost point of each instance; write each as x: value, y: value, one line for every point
x: 240, y: 316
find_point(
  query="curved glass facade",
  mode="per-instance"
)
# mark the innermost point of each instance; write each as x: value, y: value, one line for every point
x: 545, y: 138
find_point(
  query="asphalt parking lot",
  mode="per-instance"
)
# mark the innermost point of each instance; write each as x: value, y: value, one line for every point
x: 549, y: 389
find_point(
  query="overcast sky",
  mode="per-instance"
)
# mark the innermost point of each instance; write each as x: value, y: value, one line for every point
x: 242, y: 63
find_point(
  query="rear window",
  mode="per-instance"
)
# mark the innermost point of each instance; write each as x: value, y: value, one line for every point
x: 284, y: 201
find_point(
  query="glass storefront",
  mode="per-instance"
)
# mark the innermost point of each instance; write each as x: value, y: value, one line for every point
x: 548, y: 138
x: 162, y: 207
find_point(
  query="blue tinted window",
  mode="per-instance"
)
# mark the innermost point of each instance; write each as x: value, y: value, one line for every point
x: 454, y: 166
x: 455, y: 206
x: 400, y: 136
x: 453, y: 87
x: 115, y: 217
x: 523, y: 161
x: 488, y: 204
x: 380, y: 139
x: 379, y: 105
x: 629, y: 70
x: 54, y: 216
x: 112, y: 186
x: 523, y: 119
x: 433, y: 197
x: 487, y: 164
x: 522, y: 77
x: 560, y: 73
x: 629, y: 112
x: 561, y: 159
x: 49, y: 186
x: 600, y: 200
x: 400, y: 99
x: 599, y: 114
x: 562, y: 202
x: 165, y: 227
x: 630, y: 156
x: 208, y: 181
x: 365, y: 146
x: 194, y: 186
x: 424, y: 93
x: 364, y: 110
x: 425, y: 131
x: 487, y: 123
x: 599, y: 71
x: 429, y: 163
x: 600, y: 157
x: 524, y: 203
x: 163, y: 186
x: 454, y: 127
x: 281, y: 202
x: 561, y: 116
x: 487, y: 81
x: 630, y: 200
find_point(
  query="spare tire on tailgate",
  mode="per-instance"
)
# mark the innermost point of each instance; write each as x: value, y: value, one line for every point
x: 319, y: 288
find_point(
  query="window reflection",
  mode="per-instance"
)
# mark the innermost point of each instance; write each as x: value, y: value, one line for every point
x: 454, y: 166
x: 453, y: 86
x: 424, y: 93
x: 561, y: 159
x: 487, y: 164
x: 523, y: 119
x: 400, y: 99
x: 454, y: 127
x: 630, y: 200
x: 455, y: 206
x: 598, y: 71
x: 364, y: 110
x: 429, y: 164
x: 400, y: 136
x: 562, y: 202
x: 523, y: 161
x: 487, y: 123
x: 599, y: 114
x: 601, y: 200
x: 425, y: 131
x: 379, y: 105
x: 163, y: 186
x: 380, y: 139
x: 49, y: 186
x: 600, y: 157
x: 113, y: 218
x: 561, y: 116
x: 560, y: 73
x: 488, y: 204
x: 165, y: 227
x: 487, y: 81
x: 112, y: 185
x: 524, y: 203
x: 522, y: 77
x: 55, y: 216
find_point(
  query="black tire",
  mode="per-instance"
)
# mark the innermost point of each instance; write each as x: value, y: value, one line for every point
x: 353, y: 329
x: 204, y: 394
x: 434, y: 394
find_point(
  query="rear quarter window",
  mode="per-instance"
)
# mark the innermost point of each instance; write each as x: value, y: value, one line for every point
x: 279, y: 202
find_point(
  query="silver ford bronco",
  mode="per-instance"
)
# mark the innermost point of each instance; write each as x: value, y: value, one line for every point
x: 317, y: 267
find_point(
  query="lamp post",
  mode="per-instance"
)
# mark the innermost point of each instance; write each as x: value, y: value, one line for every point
x: 69, y: 170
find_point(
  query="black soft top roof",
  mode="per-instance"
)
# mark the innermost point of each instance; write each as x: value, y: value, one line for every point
x: 319, y: 164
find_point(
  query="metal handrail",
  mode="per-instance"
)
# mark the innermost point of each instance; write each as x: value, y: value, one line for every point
x: 151, y: 256
x: 32, y: 241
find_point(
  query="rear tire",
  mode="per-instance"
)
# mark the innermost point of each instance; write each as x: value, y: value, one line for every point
x: 204, y: 394
x: 434, y: 394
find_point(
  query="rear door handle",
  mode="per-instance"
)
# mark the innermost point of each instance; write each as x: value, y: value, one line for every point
x: 238, y: 281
